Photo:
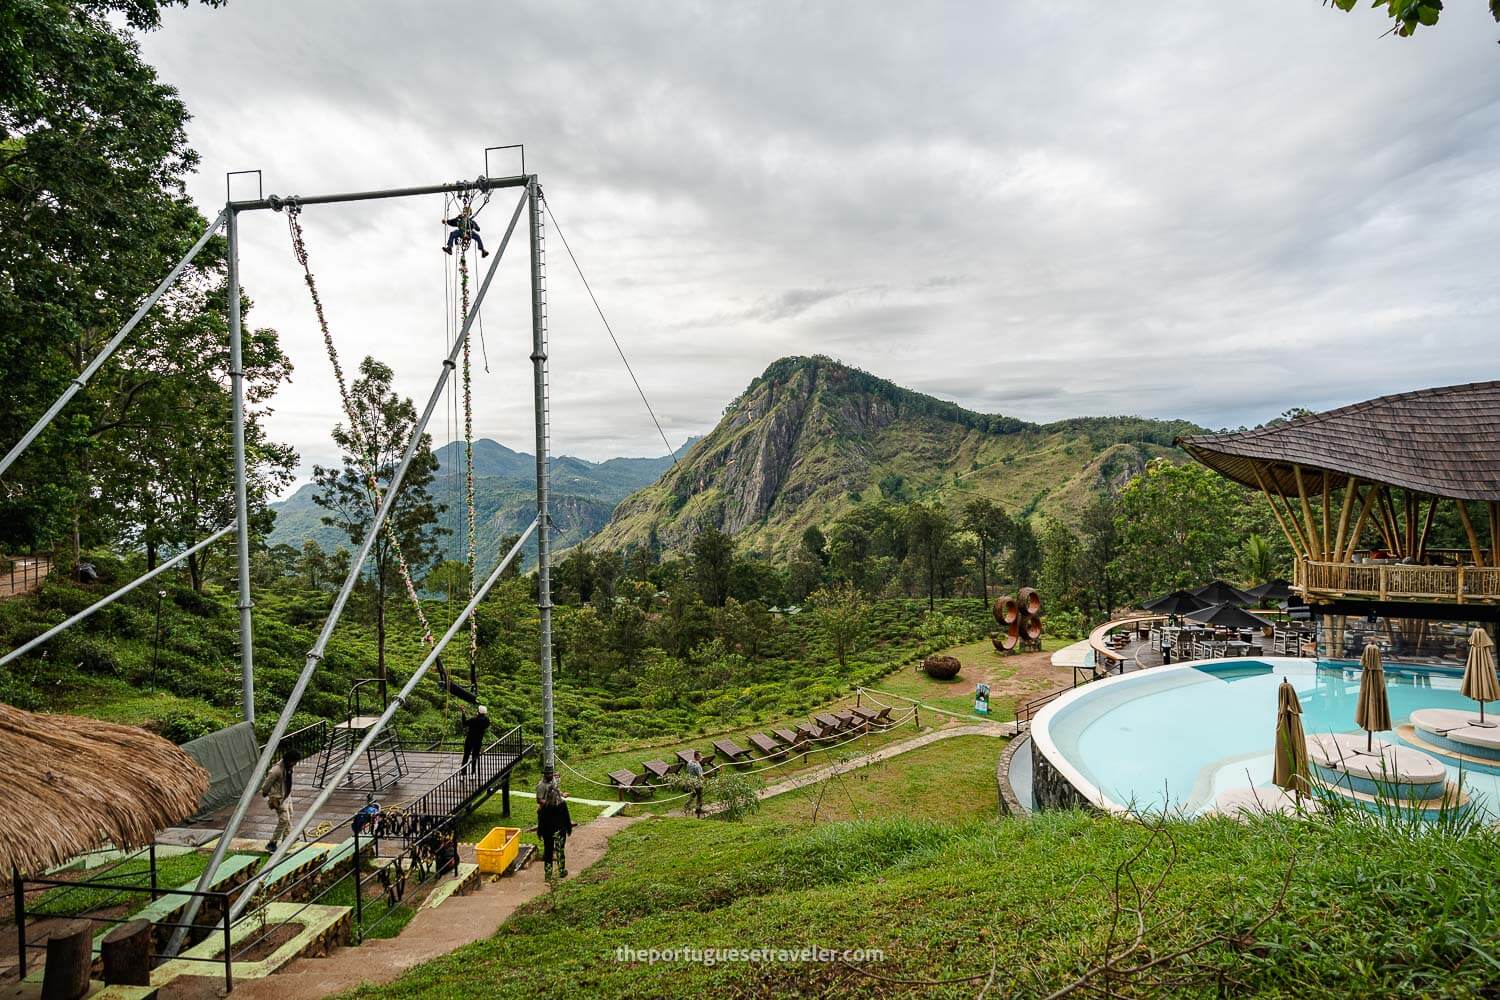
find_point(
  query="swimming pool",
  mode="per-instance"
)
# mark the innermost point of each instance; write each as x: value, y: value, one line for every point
x: 1179, y: 736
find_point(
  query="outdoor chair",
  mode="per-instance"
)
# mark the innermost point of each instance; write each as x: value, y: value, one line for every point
x: 769, y: 748
x: 732, y: 751
x: 627, y: 783
x: 872, y: 717
x: 829, y: 722
x: 791, y: 737
x: 660, y: 769
x: 812, y: 731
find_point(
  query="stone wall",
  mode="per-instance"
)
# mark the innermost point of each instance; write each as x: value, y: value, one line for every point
x: 1049, y: 789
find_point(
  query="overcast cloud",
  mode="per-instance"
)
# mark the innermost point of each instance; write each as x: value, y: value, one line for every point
x: 1211, y: 211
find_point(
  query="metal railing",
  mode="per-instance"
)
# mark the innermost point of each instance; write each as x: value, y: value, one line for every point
x: 218, y: 913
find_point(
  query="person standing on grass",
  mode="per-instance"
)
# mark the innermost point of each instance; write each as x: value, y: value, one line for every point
x: 277, y: 789
x: 695, y: 775
x: 553, y: 824
x: 475, y: 727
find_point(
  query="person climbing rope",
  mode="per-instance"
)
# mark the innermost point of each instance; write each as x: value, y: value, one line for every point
x: 553, y: 824
x: 465, y: 227
x: 475, y: 727
x: 277, y: 789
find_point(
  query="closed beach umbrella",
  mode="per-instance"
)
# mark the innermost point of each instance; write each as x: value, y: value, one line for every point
x: 1175, y: 603
x: 1373, y: 713
x: 1480, y: 681
x: 1290, y: 771
x: 1220, y: 592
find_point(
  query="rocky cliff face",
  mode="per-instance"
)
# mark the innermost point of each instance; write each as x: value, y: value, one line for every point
x: 810, y: 437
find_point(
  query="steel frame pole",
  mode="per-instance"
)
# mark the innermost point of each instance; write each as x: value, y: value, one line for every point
x: 109, y: 348
x: 315, y: 655
x: 106, y: 601
x: 276, y: 203
x: 543, y: 543
x: 336, y: 779
x: 241, y: 502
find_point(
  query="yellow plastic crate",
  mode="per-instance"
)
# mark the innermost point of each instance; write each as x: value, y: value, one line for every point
x: 497, y: 851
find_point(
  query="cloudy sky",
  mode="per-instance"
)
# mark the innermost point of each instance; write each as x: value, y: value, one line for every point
x: 1212, y: 211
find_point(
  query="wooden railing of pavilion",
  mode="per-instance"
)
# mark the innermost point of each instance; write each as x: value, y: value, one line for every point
x: 1398, y: 582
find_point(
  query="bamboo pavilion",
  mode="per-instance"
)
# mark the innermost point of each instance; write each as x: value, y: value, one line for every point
x: 1391, y: 506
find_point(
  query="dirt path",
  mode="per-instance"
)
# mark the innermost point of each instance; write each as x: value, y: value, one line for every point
x: 432, y: 932
x: 996, y: 729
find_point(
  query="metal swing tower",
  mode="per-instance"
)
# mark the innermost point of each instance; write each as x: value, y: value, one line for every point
x: 530, y: 200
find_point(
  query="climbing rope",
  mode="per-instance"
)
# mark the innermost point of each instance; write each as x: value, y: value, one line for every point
x: 363, y: 440
x: 471, y: 554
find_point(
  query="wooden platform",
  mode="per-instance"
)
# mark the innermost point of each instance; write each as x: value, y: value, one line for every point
x: 425, y: 771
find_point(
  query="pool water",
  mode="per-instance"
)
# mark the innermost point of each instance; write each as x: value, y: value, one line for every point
x: 1179, y: 736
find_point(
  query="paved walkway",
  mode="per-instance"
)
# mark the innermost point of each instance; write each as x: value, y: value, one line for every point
x: 432, y: 933
x: 996, y: 729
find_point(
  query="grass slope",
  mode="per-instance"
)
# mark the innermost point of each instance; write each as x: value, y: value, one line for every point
x: 1370, y: 911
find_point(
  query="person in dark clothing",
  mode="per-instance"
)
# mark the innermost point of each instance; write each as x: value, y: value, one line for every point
x: 446, y: 855
x: 464, y: 227
x: 553, y: 824
x: 475, y: 726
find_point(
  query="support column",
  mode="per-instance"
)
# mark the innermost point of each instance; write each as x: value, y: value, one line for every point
x: 543, y: 532
x: 241, y: 504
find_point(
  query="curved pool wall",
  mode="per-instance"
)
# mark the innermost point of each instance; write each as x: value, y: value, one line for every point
x: 1177, y: 736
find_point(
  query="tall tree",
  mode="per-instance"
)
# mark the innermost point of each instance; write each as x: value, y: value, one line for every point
x: 990, y: 526
x: 93, y: 153
x: 387, y: 422
x: 928, y: 532
x: 1059, y: 579
x: 1101, y: 547
x: 713, y: 560
x: 1177, y: 527
x: 1025, y: 554
x: 842, y: 614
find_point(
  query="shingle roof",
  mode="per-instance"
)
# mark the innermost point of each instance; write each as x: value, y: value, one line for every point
x: 1443, y: 441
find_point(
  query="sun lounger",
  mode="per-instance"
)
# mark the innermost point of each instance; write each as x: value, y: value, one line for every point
x: 829, y: 722
x: 812, y: 731
x: 628, y: 783
x: 660, y: 769
x: 849, y: 719
x: 768, y: 747
x: 732, y: 751
x: 873, y: 717
x: 791, y: 737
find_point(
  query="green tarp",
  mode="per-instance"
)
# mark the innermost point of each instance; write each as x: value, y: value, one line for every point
x: 229, y: 757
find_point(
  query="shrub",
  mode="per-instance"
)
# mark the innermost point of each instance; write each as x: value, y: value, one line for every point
x: 1066, y: 624
x: 182, y: 725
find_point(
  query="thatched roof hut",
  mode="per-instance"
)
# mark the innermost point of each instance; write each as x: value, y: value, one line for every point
x: 70, y: 784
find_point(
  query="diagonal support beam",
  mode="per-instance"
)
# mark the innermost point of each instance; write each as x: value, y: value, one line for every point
x: 112, y: 598
x: 109, y: 348
x: 331, y: 785
x: 315, y: 655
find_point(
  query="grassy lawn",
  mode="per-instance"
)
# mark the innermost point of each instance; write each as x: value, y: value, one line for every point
x: 1008, y: 677
x: 952, y: 779
x: 1369, y: 911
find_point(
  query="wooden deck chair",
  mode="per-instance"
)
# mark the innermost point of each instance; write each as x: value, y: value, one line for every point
x: 791, y: 737
x: 732, y: 751
x: 829, y: 722
x: 851, y: 721
x: 707, y: 760
x: 811, y: 731
x: 627, y: 783
x: 659, y: 770
x: 769, y: 749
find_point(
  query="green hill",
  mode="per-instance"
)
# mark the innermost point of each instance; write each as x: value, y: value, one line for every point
x: 810, y: 437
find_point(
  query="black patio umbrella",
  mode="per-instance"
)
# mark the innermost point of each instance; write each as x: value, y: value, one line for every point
x: 1226, y: 616
x: 1176, y: 603
x: 1275, y: 590
x: 1220, y: 592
